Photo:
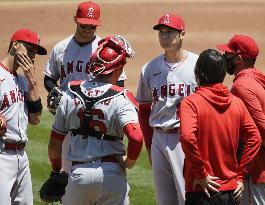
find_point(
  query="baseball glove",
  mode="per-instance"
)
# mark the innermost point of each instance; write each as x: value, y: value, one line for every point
x: 54, y: 188
x: 2, y: 125
x: 53, y: 99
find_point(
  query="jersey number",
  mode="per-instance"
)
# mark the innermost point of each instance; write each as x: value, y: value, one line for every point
x: 98, y: 124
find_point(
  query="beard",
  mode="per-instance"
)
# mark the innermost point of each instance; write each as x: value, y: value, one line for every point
x: 231, y: 66
x: 231, y: 69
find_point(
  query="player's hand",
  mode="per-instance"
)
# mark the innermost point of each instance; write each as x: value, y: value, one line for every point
x: 238, y: 193
x: 27, y: 65
x: 149, y: 155
x: 207, y: 183
x: 128, y: 163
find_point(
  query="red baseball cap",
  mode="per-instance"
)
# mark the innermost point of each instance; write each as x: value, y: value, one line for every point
x: 29, y: 36
x: 171, y: 20
x: 88, y: 13
x: 241, y: 45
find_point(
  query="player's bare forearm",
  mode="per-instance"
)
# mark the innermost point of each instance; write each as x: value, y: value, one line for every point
x: 129, y: 163
x: 55, y: 148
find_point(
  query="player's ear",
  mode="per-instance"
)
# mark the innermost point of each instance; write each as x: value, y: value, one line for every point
x: 75, y: 20
x: 238, y: 58
x: 14, y: 45
x: 181, y: 35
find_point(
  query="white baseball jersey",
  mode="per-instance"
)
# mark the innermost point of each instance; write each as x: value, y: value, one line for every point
x: 164, y: 85
x: 13, y: 95
x: 110, y: 115
x: 69, y: 61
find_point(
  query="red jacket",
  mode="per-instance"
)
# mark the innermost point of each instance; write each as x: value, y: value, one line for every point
x: 212, y: 122
x: 249, y: 85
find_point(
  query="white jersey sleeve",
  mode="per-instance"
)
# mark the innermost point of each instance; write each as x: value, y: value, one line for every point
x: 144, y: 93
x: 51, y: 68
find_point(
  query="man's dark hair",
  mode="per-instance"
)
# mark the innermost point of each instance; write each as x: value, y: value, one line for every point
x: 210, y: 67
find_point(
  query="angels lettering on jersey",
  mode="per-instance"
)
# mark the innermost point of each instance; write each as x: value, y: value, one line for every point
x: 12, y: 97
x: 171, y: 90
x: 74, y: 67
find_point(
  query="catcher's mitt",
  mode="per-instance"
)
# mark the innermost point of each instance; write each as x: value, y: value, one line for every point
x: 54, y: 188
x: 2, y: 125
x: 53, y: 99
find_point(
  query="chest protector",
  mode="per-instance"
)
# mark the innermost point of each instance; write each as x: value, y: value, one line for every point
x: 88, y: 103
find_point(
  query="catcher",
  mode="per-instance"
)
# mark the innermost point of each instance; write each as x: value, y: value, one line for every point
x: 97, y: 113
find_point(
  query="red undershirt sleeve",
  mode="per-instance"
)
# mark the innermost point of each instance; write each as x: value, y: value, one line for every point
x: 135, y: 137
x: 144, y: 114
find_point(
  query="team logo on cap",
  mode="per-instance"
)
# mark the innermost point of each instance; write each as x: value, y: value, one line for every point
x: 166, y: 19
x: 90, y: 12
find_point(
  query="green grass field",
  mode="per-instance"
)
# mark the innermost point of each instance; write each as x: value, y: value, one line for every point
x: 140, y: 177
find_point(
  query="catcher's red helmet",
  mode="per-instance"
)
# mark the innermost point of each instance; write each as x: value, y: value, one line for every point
x: 110, y: 55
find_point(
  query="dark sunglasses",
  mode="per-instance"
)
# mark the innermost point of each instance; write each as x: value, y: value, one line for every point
x: 88, y: 27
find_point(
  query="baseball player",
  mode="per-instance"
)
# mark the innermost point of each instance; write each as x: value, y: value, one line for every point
x: 163, y: 83
x: 20, y: 104
x: 212, y: 123
x: 249, y: 85
x: 98, y: 113
x: 69, y: 59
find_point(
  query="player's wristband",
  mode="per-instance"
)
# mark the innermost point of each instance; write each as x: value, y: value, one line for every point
x: 34, y: 106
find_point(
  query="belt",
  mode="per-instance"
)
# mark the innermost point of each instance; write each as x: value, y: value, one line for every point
x: 110, y: 158
x: 14, y: 145
x: 173, y: 130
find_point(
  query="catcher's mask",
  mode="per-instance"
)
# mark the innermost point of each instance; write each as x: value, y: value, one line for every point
x: 110, y: 55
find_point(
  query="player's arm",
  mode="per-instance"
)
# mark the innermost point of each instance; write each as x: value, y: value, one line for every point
x: 55, y: 150
x: 251, y: 139
x: 145, y: 98
x: 52, y: 71
x: 144, y: 115
x: 34, y: 101
x: 135, y: 142
x: 49, y: 83
x: 58, y: 133
x: 254, y: 107
x: 188, y: 139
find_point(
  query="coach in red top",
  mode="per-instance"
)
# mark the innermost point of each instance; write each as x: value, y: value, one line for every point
x: 249, y: 85
x: 212, y: 123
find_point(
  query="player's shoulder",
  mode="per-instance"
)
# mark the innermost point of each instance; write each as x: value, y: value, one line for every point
x: 64, y: 43
x: 192, y: 56
x: 97, y: 39
x: 126, y: 95
x: 155, y: 62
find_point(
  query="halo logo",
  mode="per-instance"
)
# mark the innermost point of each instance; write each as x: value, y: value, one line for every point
x: 90, y: 12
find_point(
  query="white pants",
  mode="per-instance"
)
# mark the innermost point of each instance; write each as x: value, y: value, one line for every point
x: 167, y: 165
x: 101, y: 183
x: 254, y: 194
x: 15, y: 178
